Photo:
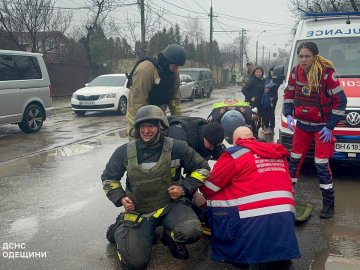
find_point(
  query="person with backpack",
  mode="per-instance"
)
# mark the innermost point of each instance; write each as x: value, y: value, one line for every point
x: 155, y: 81
x: 205, y: 138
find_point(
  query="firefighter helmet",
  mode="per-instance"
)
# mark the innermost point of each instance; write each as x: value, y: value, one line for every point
x: 175, y: 54
x: 150, y: 112
x: 230, y: 121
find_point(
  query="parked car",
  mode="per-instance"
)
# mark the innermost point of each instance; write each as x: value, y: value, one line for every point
x: 25, y: 97
x: 104, y: 93
x: 187, y: 87
x: 203, y: 80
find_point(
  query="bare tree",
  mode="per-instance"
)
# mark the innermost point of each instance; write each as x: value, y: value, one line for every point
x: 301, y: 6
x: 130, y: 27
x: 33, y: 22
x: 98, y: 12
x: 194, y: 31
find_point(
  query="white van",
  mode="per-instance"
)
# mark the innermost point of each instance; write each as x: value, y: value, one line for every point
x: 24, y: 90
x: 338, y: 38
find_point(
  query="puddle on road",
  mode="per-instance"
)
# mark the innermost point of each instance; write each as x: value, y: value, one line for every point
x: 22, y: 164
x: 343, y: 232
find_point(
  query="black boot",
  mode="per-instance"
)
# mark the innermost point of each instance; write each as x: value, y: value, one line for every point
x: 327, y: 211
x: 110, y: 233
x: 178, y: 250
x: 328, y: 203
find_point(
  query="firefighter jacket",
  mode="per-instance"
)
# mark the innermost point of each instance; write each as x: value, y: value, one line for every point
x: 314, y: 109
x: 251, y: 204
x: 152, y: 165
x: 153, y: 86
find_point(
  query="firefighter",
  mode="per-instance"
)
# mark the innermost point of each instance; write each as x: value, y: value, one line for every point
x: 315, y: 98
x: 251, y: 205
x: 153, y: 195
x: 156, y: 81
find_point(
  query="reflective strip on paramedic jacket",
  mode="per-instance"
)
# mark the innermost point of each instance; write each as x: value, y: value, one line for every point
x: 291, y: 88
x: 255, y: 198
x: 211, y: 186
x: 338, y: 112
x: 334, y: 91
x: 321, y: 160
x: 289, y: 100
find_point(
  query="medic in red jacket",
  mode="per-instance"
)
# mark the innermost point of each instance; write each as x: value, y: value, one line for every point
x: 251, y: 205
x: 315, y: 98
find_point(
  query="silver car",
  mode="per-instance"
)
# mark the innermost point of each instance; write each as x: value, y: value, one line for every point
x: 187, y: 86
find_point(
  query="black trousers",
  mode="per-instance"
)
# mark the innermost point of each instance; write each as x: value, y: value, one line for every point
x: 134, y: 241
x: 268, y: 116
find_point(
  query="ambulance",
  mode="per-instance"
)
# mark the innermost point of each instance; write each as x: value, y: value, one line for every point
x: 338, y: 38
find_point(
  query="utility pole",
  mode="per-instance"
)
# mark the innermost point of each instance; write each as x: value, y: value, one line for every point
x: 211, y: 38
x: 142, y: 14
x: 243, y: 31
x: 262, y: 59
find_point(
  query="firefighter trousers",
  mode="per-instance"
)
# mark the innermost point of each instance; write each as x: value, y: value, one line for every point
x: 134, y: 240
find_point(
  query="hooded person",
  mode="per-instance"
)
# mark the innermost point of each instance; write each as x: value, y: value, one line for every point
x: 251, y: 206
x: 155, y: 81
x: 206, y: 138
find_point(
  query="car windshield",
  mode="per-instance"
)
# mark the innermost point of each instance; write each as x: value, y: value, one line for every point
x: 193, y: 74
x: 108, y: 81
x: 343, y: 52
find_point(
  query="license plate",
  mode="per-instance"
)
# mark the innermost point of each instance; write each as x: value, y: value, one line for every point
x: 87, y: 103
x: 347, y: 147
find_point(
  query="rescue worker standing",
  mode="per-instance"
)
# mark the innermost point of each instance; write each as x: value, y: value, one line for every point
x: 206, y: 138
x: 155, y: 81
x: 315, y: 98
x: 153, y: 196
x: 251, y: 205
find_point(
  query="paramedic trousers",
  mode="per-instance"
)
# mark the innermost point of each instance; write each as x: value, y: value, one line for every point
x: 134, y: 241
x: 302, y: 141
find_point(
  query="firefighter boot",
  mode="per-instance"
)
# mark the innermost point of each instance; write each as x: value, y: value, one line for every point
x: 178, y: 250
x: 328, y: 204
x: 110, y: 233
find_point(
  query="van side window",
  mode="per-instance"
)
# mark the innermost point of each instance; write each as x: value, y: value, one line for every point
x: 19, y: 68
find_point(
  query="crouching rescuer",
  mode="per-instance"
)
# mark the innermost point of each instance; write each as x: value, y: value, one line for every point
x: 154, y: 194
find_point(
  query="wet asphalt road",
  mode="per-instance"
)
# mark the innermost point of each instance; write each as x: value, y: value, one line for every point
x: 52, y: 201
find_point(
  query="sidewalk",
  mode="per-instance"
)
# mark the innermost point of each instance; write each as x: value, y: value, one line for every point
x: 61, y: 102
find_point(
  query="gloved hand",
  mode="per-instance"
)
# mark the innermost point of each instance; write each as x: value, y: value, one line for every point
x: 325, y: 134
x: 290, y: 122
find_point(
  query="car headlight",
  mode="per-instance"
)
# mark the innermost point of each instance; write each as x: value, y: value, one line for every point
x: 74, y: 96
x: 111, y: 95
x: 102, y: 96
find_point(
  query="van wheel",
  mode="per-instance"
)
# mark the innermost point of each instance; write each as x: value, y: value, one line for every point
x: 209, y: 93
x: 33, y: 119
x: 80, y: 113
x: 122, y: 107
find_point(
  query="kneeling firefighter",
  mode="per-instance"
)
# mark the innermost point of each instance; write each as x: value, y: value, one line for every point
x: 154, y: 195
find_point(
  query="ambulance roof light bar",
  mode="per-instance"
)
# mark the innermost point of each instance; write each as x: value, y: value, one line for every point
x: 332, y: 14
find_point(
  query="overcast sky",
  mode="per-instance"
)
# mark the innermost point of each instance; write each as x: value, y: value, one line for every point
x: 254, y: 16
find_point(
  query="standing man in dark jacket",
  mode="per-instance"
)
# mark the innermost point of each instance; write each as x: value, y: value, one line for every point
x: 153, y: 195
x: 254, y: 88
x: 156, y: 81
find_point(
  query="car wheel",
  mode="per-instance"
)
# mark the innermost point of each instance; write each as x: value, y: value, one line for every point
x: 122, y: 107
x: 33, y: 119
x: 80, y: 113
